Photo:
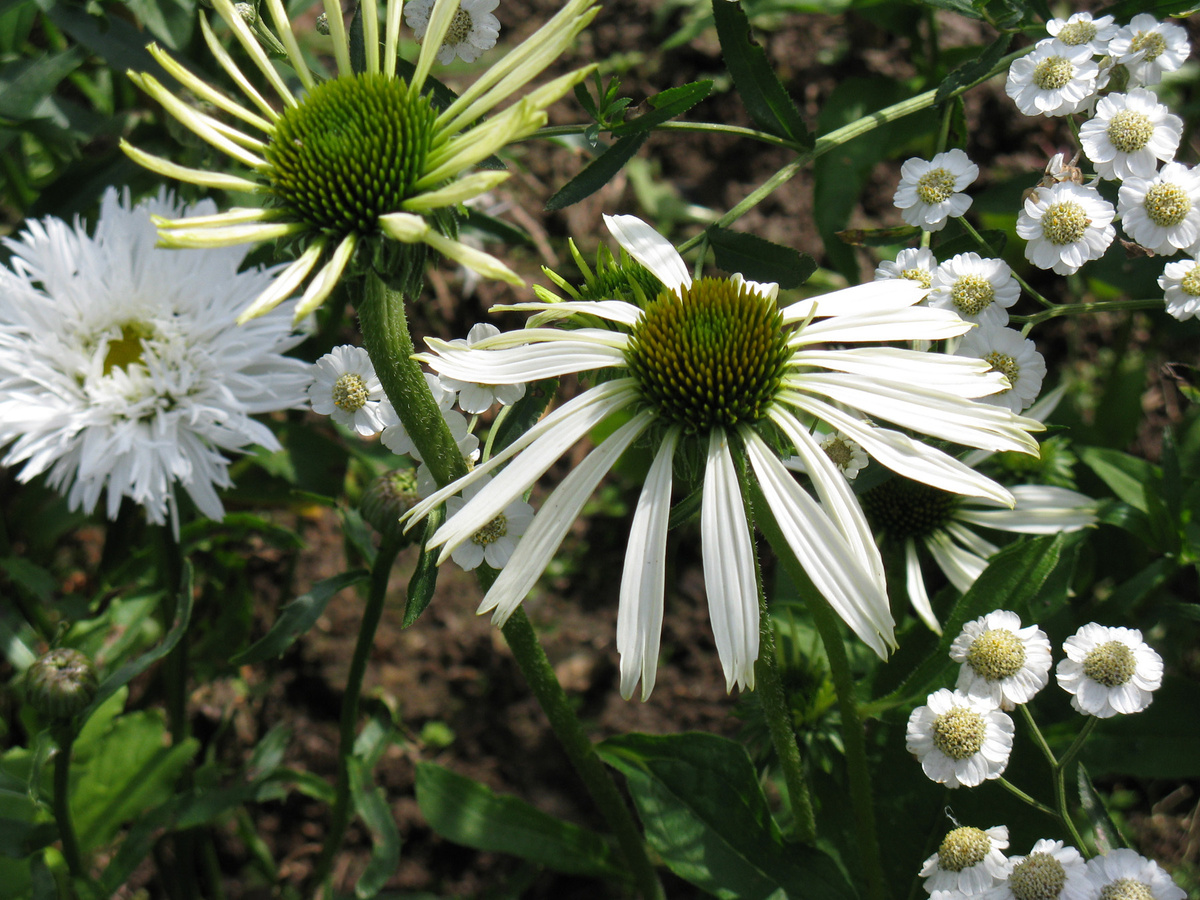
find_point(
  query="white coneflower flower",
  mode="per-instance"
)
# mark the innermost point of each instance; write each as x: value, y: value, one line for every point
x: 1013, y: 356
x: 702, y: 368
x: 1001, y: 661
x: 346, y: 387
x: 960, y: 741
x: 980, y: 290
x: 931, y: 191
x: 1050, y: 872
x: 968, y: 861
x: 1053, y: 80
x: 1065, y: 225
x: 360, y: 159
x: 477, y: 398
x: 1081, y: 30
x: 472, y: 32
x: 1148, y: 48
x: 495, y: 542
x: 1162, y: 213
x: 1125, y: 875
x: 1109, y: 671
x: 1130, y: 134
x: 121, y: 368
x: 915, y: 264
x: 1180, y: 282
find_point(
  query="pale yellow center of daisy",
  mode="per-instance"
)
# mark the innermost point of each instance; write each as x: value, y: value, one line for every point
x: 839, y: 451
x: 959, y: 733
x: 997, y: 653
x: 935, y: 186
x: 962, y: 848
x: 460, y: 27
x: 1191, y: 282
x: 1126, y: 889
x: 1111, y: 664
x: 923, y: 277
x: 126, y: 350
x: 491, y: 532
x: 972, y: 294
x: 1077, y: 33
x: 1064, y: 222
x: 1130, y: 130
x: 1053, y: 73
x: 1037, y: 877
x: 1167, y: 204
x: 1152, y: 42
x: 1006, y: 366
x: 350, y: 392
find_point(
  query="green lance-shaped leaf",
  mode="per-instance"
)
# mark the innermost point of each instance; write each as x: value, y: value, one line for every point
x: 598, y: 172
x: 666, y: 105
x: 370, y: 802
x: 424, y: 576
x: 1107, y: 835
x: 970, y: 72
x: 297, y: 618
x: 759, y: 259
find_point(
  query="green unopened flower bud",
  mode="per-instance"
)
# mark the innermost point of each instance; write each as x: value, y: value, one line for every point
x: 61, y: 684
x: 322, y: 24
x: 247, y: 11
x: 386, y: 499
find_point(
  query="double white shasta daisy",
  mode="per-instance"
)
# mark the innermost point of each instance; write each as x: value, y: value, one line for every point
x: 1055, y: 79
x: 1013, y: 356
x: 472, y: 31
x: 1081, y: 29
x: 1180, y: 282
x: 960, y: 741
x: 1065, y: 225
x: 1162, y: 212
x: 968, y: 861
x: 1125, y: 875
x: 930, y: 191
x: 1109, y: 671
x: 712, y: 370
x: 1001, y: 661
x: 979, y: 290
x: 1148, y: 48
x: 1130, y: 134
x: 358, y: 159
x: 1051, y: 871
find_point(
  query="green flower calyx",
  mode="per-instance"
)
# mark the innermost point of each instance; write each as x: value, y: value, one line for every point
x: 1064, y: 223
x: 996, y: 654
x: 935, y: 186
x: 712, y: 357
x: 904, y: 508
x: 350, y: 152
x: 1111, y: 664
x: 963, y: 848
x: 1130, y: 130
x: 959, y: 733
x: 1037, y: 877
x: 972, y: 294
x: 1126, y: 889
x: 1053, y: 73
x: 61, y: 683
x: 1167, y: 204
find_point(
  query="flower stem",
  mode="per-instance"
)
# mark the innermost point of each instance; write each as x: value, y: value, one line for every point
x: 1060, y: 782
x: 709, y: 127
x: 1038, y: 737
x: 62, y: 803
x: 1025, y: 798
x: 1079, y: 309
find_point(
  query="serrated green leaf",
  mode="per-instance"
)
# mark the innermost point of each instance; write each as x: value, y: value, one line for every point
x: 878, y: 237
x: 297, y: 618
x: 598, y: 172
x: 666, y: 105
x: 972, y: 71
x: 424, y: 576
x: 759, y: 259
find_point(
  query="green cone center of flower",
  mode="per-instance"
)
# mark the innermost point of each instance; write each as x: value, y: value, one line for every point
x: 1111, y: 664
x: 935, y: 186
x: 923, y: 277
x: 460, y: 27
x: 1053, y: 73
x: 710, y: 358
x: 1130, y: 130
x: 996, y: 654
x: 959, y: 733
x: 972, y: 294
x: 1167, y: 204
x: 1037, y: 877
x: 1005, y: 365
x: 350, y: 152
x: 126, y: 350
x: 905, y: 508
x: 1077, y: 33
x: 1191, y: 282
x: 962, y: 848
x: 491, y: 532
x: 350, y: 392
x: 1126, y: 889
x: 1064, y: 222
x: 1152, y: 42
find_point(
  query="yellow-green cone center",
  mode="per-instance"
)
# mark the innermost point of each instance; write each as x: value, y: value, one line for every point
x: 1053, y: 73
x: 908, y: 509
x: 1126, y: 889
x: 996, y: 654
x: 1191, y: 282
x: 1167, y: 204
x: 126, y: 350
x: 1152, y: 42
x: 491, y: 532
x: 1037, y: 877
x: 350, y: 152
x: 962, y: 848
x: 1077, y: 33
x: 350, y: 392
x: 1130, y: 130
x: 712, y: 358
x: 1111, y: 664
x: 1005, y: 365
x: 460, y: 27
x: 972, y: 294
x: 935, y: 186
x: 923, y: 277
x: 959, y: 733
x: 1064, y: 223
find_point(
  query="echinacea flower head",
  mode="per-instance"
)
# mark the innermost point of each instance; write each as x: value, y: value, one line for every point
x: 1065, y: 225
x: 360, y: 159
x: 1180, y: 282
x: 472, y: 31
x: 1081, y: 30
x: 121, y: 369
x: 1148, y: 48
x: 968, y: 861
x: 346, y: 388
x: 702, y: 371
x: 495, y: 542
x: 1051, y: 871
x: 979, y: 290
x: 1130, y: 135
x: 1125, y: 875
x: 1013, y: 356
x: 917, y: 264
x: 960, y: 741
x: 1109, y: 671
x: 930, y: 191
x: 1054, y: 79
x: 1001, y: 661
x: 1162, y: 212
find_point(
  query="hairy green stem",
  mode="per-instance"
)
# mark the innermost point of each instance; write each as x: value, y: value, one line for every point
x: 62, y: 803
x: 1079, y: 309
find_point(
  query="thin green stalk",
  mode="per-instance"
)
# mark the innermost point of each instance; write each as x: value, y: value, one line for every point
x: 983, y: 243
x: 1060, y: 782
x: 1079, y: 309
x: 62, y: 804
x: 1038, y: 737
x: 706, y: 127
x: 1025, y: 798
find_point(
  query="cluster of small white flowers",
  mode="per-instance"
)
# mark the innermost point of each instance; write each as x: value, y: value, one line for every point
x: 473, y: 30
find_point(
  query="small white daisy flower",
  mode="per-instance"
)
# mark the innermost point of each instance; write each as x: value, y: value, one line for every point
x: 397, y: 439
x: 960, y: 741
x: 1050, y: 872
x: 1130, y: 134
x: 1109, y: 670
x: 979, y: 290
x: 1065, y: 225
x: 915, y: 264
x: 495, y: 542
x: 1162, y: 213
x: 1148, y: 48
x: 1014, y: 356
x: 845, y: 453
x: 1181, y: 283
x: 968, y: 861
x: 477, y: 398
x: 931, y: 191
x: 346, y: 387
x: 472, y: 31
x: 1081, y: 30
x: 1124, y: 875
x: 1055, y: 79
x: 1001, y: 661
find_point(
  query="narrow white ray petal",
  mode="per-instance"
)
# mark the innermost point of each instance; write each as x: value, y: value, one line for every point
x: 541, y: 540
x: 440, y: 18
x: 253, y: 49
x: 976, y: 543
x: 914, y: 582
x: 285, y: 283
x: 238, y: 215
x: 326, y: 280
x: 907, y: 367
x: 476, y: 260
x: 643, y: 580
x: 337, y: 33
x: 959, y: 565
x: 729, y: 566
x: 1042, y: 410
x: 822, y: 551
x: 206, y: 91
x: 370, y: 19
x: 612, y: 310
x: 519, y: 365
x: 235, y: 74
x: 599, y: 337
x: 917, y: 324
x: 177, y: 233
x: 1040, y: 509
x: 391, y: 36
x: 215, y: 180
x: 283, y: 28
x: 458, y: 191
x: 651, y: 249
x: 862, y: 299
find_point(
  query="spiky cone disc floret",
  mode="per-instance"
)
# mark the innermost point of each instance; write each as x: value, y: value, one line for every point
x: 359, y: 158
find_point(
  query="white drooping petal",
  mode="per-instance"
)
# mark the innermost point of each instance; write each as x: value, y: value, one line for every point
x: 1040, y: 509
x: 961, y: 566
x: 651, y: 249
x: 914, y: 582
x: 612, y: 310
x: 871, y: 298
x: 959, y: 375
x: 519, y: 365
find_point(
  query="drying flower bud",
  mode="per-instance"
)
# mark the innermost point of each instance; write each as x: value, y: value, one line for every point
x: 61, y: 683
x: 386, y: 499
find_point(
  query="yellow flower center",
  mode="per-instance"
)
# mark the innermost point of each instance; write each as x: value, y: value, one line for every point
x: 959, y: 733
x: 491, y: 532
x: 972, y: 294
x: 1152, y: 42
x: 1077, y: 33
x: 839, y: 451
x: 962, y: 848
x: 1053, y: 73
x: 1126, y: 889
x: 126, y: 350
x: 935, y: 186
x: 460, y: 27
x: 1130, y: 130
x: 923, y: 277
x: 1064, y: 223
x: 996, y: 654
x: 1167, y: 204
x: 1005, y: 365
x: 1191, y: 282
x: 1111, y: 664
x: 350, y: 392
x: 1037, y: 877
